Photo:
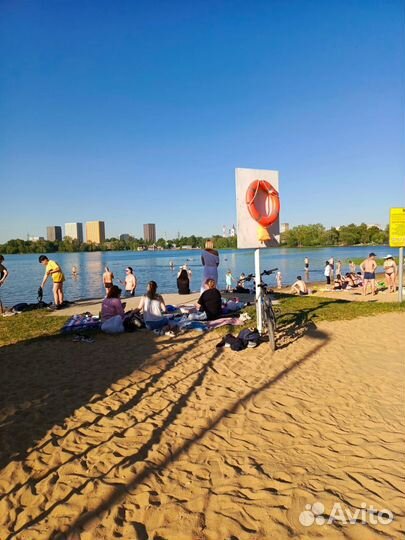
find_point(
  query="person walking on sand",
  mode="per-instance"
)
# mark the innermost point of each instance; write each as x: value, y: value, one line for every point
x: 3, y: 276
x: 53, y: 270
x: 210, y: 262
x: 108, y: 277
x: 306, y: 262
x: 391, y: 271
x: 368, y: 267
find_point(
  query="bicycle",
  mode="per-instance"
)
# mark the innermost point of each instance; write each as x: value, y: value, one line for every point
x: 268, y: 316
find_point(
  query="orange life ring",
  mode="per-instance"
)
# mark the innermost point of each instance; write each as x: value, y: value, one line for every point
x: 262, y: 186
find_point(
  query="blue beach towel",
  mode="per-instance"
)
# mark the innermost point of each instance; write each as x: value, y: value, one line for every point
x: 81, y: 322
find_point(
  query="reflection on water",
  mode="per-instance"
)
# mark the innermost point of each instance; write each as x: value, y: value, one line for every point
x: 26, y: 273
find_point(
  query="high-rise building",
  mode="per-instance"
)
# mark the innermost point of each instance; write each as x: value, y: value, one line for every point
x: 74, y: 231
x: 149, y: 232
x: 54, y: 233
x: 95, y: 232
x: 284, y: 227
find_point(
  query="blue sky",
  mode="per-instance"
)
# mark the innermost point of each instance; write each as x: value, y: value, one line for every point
x: 135, y: 112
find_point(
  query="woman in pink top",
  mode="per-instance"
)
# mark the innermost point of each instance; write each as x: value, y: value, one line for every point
x: 112, y: 305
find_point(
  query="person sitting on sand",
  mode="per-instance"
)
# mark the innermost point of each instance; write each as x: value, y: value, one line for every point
x: 391, y: 271
x: 210, y: 300
x: 112, y: 305
x: 350, y: 280
x: 240, y: 286
x: 299, y: 287
x: 368, y: 267
x: 153, y: 306
x: 108, y: 277
x: 183, y: 281
x: 339, y: 283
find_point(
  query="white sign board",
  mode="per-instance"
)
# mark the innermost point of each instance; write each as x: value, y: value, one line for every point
x: 256, y: 206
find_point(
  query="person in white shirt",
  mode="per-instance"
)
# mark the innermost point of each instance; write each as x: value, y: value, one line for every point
x: 327, y: 272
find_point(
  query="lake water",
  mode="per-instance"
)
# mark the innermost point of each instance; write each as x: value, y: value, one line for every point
x: 26, y: 273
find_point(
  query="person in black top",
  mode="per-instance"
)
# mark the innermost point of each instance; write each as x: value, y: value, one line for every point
x: 183, y: 282
x: 210, y: 301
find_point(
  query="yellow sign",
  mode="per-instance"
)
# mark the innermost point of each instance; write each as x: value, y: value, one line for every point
x: 397, y: 227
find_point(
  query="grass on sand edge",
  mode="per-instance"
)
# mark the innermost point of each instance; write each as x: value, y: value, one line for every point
x: 293, y: 310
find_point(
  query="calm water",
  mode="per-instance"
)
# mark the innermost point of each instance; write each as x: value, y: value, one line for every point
x: 26, y: 273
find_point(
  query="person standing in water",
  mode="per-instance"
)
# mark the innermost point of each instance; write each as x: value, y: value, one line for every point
x: 306, y: 263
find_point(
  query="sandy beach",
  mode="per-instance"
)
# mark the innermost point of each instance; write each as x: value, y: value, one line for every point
x: 139, y: 436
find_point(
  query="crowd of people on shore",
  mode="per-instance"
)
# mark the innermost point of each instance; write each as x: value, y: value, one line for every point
x: 335, y: 277
x: 365, y: 277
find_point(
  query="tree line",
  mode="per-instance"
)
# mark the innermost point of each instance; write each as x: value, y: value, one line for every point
x: 299, y: 236
x: 68, y: 245
x: 346, y: 235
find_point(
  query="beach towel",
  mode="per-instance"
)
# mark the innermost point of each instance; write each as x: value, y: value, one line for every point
x: 81, y: 322
x: 233, y: 321
x: 194, y: 325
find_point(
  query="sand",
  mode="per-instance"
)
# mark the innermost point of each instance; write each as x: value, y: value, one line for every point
x: 139, y: 436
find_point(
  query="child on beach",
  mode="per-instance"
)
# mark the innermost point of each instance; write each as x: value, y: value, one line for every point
x: 228, y: 280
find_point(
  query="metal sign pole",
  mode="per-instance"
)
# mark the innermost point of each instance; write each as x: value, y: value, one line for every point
x: 258, y: 307
x: 401, y: 273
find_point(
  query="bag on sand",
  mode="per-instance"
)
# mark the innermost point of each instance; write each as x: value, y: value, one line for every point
x: 246, y: 338
x: 114, y: 325
x: 249, y: 335
x: 133, y: 321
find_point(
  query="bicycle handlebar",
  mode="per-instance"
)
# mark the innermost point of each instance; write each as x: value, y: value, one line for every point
x: 268, y: 272
x: 249, y: 277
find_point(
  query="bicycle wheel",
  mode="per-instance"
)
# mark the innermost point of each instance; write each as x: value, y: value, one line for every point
x: 271, y: 327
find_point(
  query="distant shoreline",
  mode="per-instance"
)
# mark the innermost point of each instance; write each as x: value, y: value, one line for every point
x: 171, y: 250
